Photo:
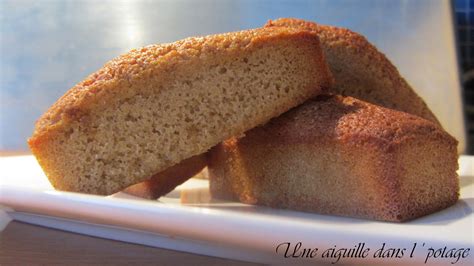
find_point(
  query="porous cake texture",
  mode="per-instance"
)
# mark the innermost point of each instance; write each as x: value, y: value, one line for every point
x: 156, y: 106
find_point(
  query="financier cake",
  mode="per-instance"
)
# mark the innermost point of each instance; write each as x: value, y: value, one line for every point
x: 360, y: 70
x: 341, y: 156
x: 156, y: 106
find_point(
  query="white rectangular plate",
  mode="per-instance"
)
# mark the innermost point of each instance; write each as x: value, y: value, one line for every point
x: 187, y: 220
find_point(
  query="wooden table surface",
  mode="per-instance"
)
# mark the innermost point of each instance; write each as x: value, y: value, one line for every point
x: 26, y: 244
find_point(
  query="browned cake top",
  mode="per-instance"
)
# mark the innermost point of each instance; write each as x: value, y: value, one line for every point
x: 342, y: 37
x: 368, y: 65
x: 116, y: 78
x: 331, y: 117
x: 331, y: 34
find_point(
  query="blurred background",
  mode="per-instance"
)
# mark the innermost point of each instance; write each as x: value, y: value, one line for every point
x: 464, y: 23
x: 46, y: 47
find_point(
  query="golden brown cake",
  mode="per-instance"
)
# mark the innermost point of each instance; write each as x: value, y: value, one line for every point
x: 361, y: 70
x: 153, y: 107
x: 341, y: 156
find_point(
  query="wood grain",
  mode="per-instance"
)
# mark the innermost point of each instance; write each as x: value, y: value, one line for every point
x: 14, y: 153
x: 25, y: 244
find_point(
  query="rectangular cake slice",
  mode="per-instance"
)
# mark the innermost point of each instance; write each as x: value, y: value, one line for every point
x: 156, y: 106
x: 340, y: 156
